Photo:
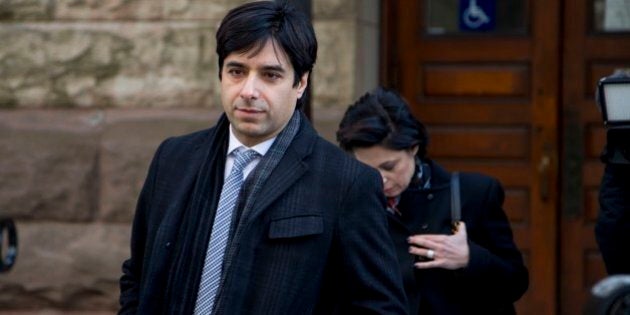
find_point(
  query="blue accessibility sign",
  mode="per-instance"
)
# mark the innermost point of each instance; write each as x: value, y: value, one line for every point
x: 477, y: 15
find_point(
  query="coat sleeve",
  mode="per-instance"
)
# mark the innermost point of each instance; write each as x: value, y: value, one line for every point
x: 368, y: 263
x: 612, y: 229
x: 130, y: 281
x: 495, y: 260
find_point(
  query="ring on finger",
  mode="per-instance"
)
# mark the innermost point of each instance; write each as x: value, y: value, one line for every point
x: 430, y: 254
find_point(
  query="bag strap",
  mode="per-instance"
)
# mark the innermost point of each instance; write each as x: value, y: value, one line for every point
x: 456, y: 207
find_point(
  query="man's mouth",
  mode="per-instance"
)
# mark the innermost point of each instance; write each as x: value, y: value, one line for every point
x: 250, y: 110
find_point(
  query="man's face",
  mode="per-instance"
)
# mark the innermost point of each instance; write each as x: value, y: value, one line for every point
x: 257, y: 92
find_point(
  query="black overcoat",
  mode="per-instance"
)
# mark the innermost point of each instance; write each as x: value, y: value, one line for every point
x: 495, y: 276
x: 316, y: 239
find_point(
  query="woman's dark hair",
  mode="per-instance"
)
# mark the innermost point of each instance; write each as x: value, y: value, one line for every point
x: 250, y: 26
x: 381, y: 117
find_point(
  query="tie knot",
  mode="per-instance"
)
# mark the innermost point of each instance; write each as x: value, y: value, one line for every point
x: 243, y: 157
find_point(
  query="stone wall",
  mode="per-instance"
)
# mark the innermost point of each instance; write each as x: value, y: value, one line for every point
x: 89, y: 89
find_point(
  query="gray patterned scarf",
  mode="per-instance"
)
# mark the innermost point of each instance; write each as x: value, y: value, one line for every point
x: 256, y: 181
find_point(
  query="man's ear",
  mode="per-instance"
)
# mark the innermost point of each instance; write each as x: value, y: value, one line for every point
x: 302, y: 84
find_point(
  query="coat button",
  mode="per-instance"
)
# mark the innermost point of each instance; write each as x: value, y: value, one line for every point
x: 168, y: 244
x: 425, y: 226
x: 430, y: 196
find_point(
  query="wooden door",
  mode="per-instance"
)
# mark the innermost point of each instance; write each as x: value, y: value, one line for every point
x: 589, y: 53
x: 490, y: 102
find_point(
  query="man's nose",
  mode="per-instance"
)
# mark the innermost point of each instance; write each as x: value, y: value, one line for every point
x: 250, y: 88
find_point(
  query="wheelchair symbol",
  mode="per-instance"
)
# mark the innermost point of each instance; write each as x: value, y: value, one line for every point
x: 474, y: 16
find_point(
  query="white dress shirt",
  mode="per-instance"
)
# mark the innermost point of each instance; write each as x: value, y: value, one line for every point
x: 234, y: 144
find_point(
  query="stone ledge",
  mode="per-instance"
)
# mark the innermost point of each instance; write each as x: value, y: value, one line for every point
x: 115, y: 10
x: 56, y: 312
x: 66, y: 266
x: 130, y: 139
x: 49, y: 165
x: 83, y: 165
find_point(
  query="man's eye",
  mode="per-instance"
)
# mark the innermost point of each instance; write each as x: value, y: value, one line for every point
x: 272, y: 75
x: 235, y: 72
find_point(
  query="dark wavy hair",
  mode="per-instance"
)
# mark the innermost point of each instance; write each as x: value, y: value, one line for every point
x: 381, y: 117
x: 249, y: 27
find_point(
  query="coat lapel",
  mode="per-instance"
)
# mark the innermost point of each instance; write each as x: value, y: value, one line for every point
x: 422, y: 208
x: 289, y: 170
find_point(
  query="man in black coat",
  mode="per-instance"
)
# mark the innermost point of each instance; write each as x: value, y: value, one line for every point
x: 308, y: 231
x: 612, y: 230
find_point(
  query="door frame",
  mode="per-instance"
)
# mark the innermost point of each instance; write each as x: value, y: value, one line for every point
x: 545, y: 26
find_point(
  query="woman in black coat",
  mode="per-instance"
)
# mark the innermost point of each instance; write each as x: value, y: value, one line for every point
x: 451, y: 267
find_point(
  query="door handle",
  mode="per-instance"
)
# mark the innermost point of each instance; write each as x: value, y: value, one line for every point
x: 7, y: 261
x: 544, y: 166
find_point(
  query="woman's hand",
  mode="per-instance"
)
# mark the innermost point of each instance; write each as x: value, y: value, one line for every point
x: 448, y: 251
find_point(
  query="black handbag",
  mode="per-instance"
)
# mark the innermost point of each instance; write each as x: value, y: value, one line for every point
x: 456, y: 206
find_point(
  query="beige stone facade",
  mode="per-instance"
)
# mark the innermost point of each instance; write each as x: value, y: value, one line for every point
x: 88, y: 90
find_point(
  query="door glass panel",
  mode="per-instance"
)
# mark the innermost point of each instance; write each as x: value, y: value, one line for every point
x: 476, y: 16
x: 611, y: 15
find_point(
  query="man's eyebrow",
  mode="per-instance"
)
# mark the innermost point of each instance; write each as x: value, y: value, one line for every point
x: 235, y: 64
x: 275, y: 68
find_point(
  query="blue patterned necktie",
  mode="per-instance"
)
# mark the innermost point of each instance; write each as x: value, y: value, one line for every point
x: 211, y: 274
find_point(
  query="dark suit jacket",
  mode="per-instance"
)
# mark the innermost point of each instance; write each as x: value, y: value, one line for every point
x: 316, y: 241
x: 495, y: 276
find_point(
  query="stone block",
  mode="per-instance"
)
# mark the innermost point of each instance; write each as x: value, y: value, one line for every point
x: 49, y: 165
x: 66, y: 266
x: 213, y: 10
x: 209, y: 10
x: 367, y: 59
x: 334, y: 75
x: 129, y: 142
x: 330, y: 9
x: 326, y: 122
x: 109, y: 9
x: 19, y: 10
x: 369, y: 11
x: 107, y: 65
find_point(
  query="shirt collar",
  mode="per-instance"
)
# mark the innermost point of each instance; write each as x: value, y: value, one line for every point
x: 261, y: 148
x: 422, y: 177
